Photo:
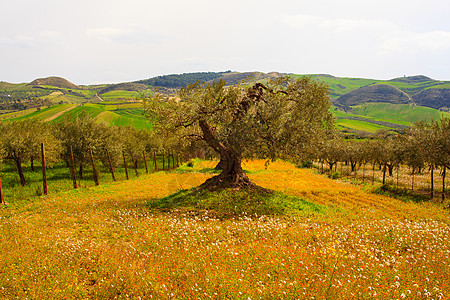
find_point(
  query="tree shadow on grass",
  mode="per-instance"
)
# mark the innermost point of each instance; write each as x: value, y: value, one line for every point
x: 229, y: 203
x: 401, y: 194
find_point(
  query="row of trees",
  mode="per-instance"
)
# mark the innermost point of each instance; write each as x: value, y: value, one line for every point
x: 20, y: 142
x: 424, y: 145
x: 283, y: 118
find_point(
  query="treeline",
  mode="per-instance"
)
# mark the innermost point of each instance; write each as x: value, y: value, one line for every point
x: 15, y: 105
x: 80, y: 143
x: 423, y: 146
x: 18, y: 96
x: 181, y: 80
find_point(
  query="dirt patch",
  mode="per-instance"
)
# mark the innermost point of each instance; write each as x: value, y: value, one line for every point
x: 59, y: 114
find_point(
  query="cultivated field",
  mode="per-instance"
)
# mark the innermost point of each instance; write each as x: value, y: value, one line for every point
x: 112, y: 241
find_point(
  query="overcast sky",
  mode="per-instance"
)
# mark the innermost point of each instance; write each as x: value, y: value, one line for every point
x: 99, y: 41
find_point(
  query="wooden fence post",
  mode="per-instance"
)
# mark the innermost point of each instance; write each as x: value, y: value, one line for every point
x: 443, y: 182
x: 125, y: 164
x: 74, y: 176
x: 432, y: 182
x: 1, y: 193
x: 154, y: 161
x: 134, y: 163
x: 111, y: 169
x: 173, y: 160
x: 373, y: 173
x: 163, y: 160
x: 44, y: 170
x: 168, y: 160
x: 145, y: 161
x: 398, y: 169
x: 94, y: 169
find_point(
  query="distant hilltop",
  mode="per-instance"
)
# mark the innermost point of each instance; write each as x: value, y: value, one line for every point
x: 56, y: 82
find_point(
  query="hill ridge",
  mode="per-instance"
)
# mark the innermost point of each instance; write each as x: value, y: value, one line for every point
x: 54, y: 81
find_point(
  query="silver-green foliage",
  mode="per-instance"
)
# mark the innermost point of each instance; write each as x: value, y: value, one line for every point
x: 284, y: 118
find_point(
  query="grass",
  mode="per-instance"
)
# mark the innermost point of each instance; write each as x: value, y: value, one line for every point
x: 342, y: 85
x: 113, y: 113
x: 400, y: 193
x: 113, y: 241
x: 225, y: 203
x: 59, y: 178
x: 113, y: 95
x: 397, y: 113
x: 358, y: 125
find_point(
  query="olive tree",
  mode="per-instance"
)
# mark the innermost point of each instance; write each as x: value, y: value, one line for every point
x: 21, y: 141
x: 442, y: 146
x: 283, y: 118
x: 82, y: 134
x: 332, y: 152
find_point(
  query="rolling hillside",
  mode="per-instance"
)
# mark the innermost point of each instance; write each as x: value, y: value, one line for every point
x: 55, y: 82
x: 374, y: 93
x: 361, y: 105
x: 119, y: 114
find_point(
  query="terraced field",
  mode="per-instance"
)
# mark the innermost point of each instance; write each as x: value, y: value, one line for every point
x: 113, y: 113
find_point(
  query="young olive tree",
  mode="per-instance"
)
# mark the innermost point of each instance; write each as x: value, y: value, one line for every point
x: 82, y: 134
x: 332, y: 152
x: 442, y: 130
x: 21, y: 141
x: 283, y: 118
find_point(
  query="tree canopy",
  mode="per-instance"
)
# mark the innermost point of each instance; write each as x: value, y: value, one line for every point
x: 282, y: 118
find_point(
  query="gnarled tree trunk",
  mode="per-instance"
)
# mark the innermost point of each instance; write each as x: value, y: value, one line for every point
x: 232, y: 175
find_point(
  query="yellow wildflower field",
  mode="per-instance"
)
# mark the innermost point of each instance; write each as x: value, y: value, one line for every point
x: 106, y: 242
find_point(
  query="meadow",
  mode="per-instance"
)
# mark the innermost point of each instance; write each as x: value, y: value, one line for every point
x: 138, y: 239
x: 116, y: 113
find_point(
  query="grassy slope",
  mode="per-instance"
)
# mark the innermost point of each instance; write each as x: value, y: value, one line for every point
x: 106, y: 242
x: 114, y: 113
x: 359, y: 125
x: 341, y: 85
x: 113, y: 95
x: 401, y: 114
x: 397, y: 112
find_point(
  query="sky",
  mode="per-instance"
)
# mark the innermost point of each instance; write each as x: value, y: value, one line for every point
x: 107, y: 41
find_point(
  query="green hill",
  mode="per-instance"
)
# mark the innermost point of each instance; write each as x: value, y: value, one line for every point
x: 118, y: 114
x: 374, y: 93
x: 433, y: 97
x: 362, y: 105
x: 55, y: 82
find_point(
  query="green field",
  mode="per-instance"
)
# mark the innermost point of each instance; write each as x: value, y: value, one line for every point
x: 398, y: 112
x: 341, y: 85
x: 384, y: 116
x: 114, y: 113
x: 113, y: 95
x: 358, y: 125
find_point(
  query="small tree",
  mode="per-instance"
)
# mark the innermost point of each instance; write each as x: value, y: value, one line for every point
x: 21, y: 141
x: 284, y: 118
x: 442, y: 146
x: 352, y: 153
x: 332, y: 151
x: 427, y: 141
x: 83, y: 134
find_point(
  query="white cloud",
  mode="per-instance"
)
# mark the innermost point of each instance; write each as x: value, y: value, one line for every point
x: 126, y: 36
x: 403, y: 41
x: 106, y: 33
x: 301, y: 21
x: 312, y: 22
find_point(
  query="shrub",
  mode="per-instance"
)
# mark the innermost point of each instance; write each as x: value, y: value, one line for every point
x: 335, y: 175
